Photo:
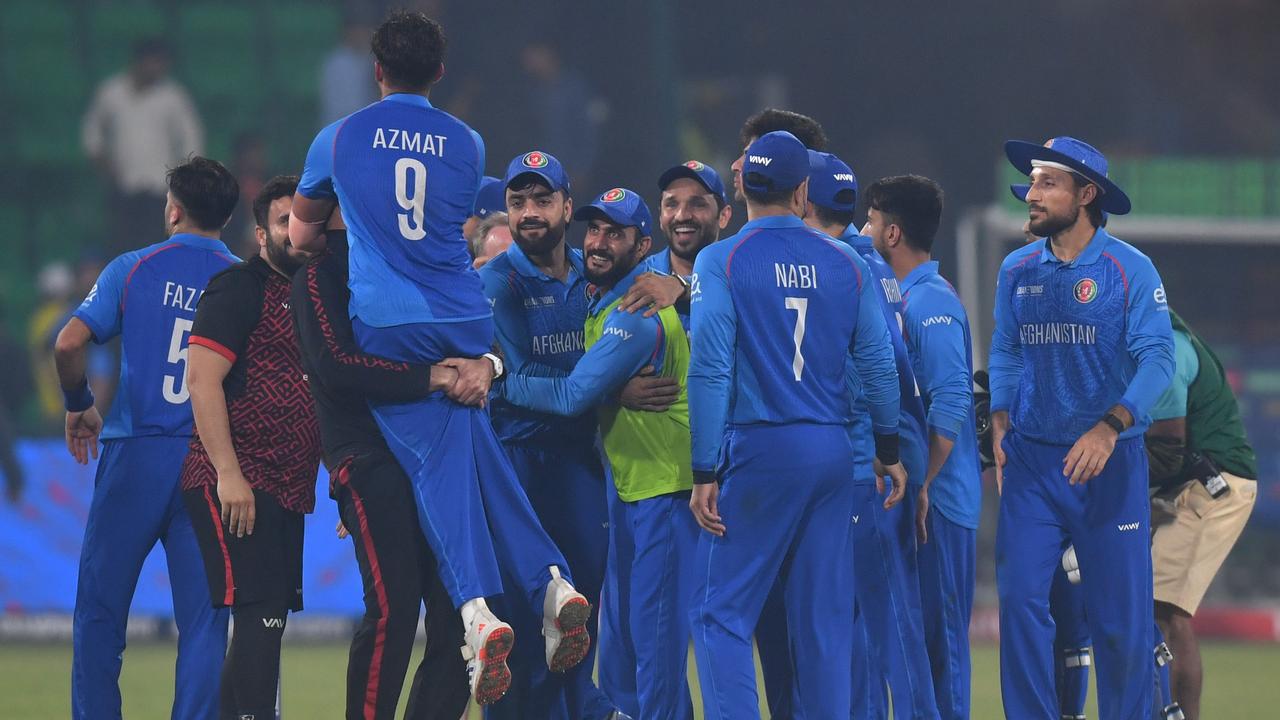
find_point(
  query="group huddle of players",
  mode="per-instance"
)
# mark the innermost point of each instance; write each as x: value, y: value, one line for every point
x: 764, y: 438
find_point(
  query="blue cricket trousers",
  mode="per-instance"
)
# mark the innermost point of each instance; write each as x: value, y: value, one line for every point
x: 947, y: 567
x: 137, y: 502
x: 1108, y: 521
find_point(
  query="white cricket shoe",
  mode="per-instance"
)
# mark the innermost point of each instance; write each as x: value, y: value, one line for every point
x: 489, y: 642
x: 565, y: 613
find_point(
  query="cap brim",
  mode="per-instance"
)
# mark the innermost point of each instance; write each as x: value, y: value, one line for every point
x: 681, y: 171
x: 545, y: 178
x: 1020, y: 192
x: 1021, y: 154
x: 612, y: 214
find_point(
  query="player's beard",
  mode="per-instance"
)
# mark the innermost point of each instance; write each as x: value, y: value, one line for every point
x: 280, y: 257
x: 618, y: 268
x: 1049, y: 224
x: 542, y: 244
x: 705, y: 235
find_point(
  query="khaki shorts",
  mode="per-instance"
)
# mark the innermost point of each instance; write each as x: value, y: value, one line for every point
x: 1192, y: 535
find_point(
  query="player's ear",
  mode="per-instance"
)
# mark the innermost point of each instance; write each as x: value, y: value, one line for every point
x: 260, y: 235
x: 726, y: 214
x: 643, y: 244
x: 377, y: 72
x: 568, y: 208
x: 800, y: 198
x: 439, y: 75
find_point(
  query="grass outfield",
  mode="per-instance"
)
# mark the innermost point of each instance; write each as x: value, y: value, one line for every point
x: 35, y: 681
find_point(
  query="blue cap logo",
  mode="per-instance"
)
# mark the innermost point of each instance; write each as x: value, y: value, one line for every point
x: 614, y: 195
x: 534, y: 159
x: 695, y: 166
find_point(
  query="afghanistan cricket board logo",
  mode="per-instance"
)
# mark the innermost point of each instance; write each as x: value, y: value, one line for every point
x: 535, y: 159
x: 1086, y: 290
x: 694, y: 165
x: 613, y: 196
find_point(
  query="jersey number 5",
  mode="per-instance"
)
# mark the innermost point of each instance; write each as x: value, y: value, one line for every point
x: 801, y: 306
x: 174, y: 387
x: 411, y: 194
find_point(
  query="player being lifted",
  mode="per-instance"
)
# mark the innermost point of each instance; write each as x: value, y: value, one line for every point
x: 780, y: 514
x: 406, y: 175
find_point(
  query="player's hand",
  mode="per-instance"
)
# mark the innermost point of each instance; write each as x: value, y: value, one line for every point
x: 83, y: 429
x: 898, y: 479
x: 1089, y: 455
x: 475, y: 375
x: 341, y: 530
x: 648, y: 392
x: 652, y: 292
x: 705, y: 507
x: 999, y: 427
x: 238, y: 508
x: 922, y: 516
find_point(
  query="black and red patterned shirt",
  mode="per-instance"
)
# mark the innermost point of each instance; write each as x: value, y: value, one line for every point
x: 244, y: 316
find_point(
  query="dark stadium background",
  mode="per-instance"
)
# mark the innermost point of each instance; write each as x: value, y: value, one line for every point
x: 1180, y: 95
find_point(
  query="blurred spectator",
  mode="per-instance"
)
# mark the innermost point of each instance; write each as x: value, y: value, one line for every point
x: 140, y: 124
x: 249, y: 165
x: 15, y: 387
x: 561, y: 108
x: 346, y: 77
x: 491, y: 238
x: 61, y: 290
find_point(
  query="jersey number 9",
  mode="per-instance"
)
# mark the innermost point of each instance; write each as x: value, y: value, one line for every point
x: 411, y: 194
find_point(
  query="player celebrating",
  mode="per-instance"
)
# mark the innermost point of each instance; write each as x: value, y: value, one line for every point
x: 884, y: 543
x: 415, y: 298
x: 751, y: 396
x: 250, y: 476
x: 644, y: 621
x: 1081, y: 351
x: 148, y: 297
x: 902, y: 218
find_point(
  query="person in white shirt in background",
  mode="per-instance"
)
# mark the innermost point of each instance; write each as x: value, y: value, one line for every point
x: 141, y: 123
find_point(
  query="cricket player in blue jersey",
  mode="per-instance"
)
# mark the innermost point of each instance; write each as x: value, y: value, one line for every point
x: 769, y: 421
x: 902, y: 218
x: 1082, y: 349
x: 147, y: 297
x: 415, y: 298
x: 644, y: 612
x: 538, y: 290
x: 884, y: 540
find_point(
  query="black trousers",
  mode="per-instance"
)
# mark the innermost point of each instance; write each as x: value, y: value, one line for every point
x: 377, y: 507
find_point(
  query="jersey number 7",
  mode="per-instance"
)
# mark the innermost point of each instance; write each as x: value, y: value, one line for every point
x: 410, y: 170
x: 801, y: 306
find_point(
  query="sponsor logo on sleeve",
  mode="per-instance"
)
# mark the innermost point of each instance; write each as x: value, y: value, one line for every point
x: 1160, y: 297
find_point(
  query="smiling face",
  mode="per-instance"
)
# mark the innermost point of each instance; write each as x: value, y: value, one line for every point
x: 611, y: 251
x: 690, y: 217
x: 1055, y: 200
x: 538, y: 216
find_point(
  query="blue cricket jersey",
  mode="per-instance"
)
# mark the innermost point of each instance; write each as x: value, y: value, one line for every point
x: 777, y: 309
x: 1072, y: 339
x: 406, y: 176
x: 660, y: 262
x: 936, y: 329
x: 629, y: 342
x: 149, y: 298
x: 538, y: 321
x: 911, y: 420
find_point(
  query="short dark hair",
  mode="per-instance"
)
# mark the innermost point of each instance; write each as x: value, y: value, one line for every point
x: 768, y: 197
x: 828, y: 216
x: 152, y: 46
x: 206, y: 190
x: 531, y: 181
x: 913, y: 202
x: 410, y: 48
x: 1097, y: 217
x: 806, y: 129
x: 276, y: 188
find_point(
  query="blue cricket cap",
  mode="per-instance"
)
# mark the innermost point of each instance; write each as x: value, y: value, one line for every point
x: 544, y: 165
x: 775, y: 162
x: 491, y: 198
x: 695, y: 170
x: 621, y: 207
x: 1072, y: 155
x: 832, y: 184
x: 1020, y: 191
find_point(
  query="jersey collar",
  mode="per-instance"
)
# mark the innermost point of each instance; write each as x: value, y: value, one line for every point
x: 1097, y: 244
x: 600, y: 301
x: 408, y: 99
x: 661, y: 261
x: 918, y: 273
x: 773, y: 221
x: 855, y: 239
x: 200, y: 241
x: 525, y: 266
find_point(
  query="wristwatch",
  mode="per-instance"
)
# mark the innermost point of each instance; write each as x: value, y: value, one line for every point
x: 498, y: 368
x: 1113, y: 422
x: 680, y: 277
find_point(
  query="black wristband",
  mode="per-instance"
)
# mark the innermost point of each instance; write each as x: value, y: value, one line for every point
x: 887, y: 448
x: 704, y: 477
x: 79, y: 399
x: 1113, y: 422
